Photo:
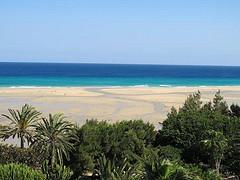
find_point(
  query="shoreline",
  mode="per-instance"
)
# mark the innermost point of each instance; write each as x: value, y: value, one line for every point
x: 131, y: 86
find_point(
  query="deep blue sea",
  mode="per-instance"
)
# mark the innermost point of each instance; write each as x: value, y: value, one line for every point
x: 56, y: 74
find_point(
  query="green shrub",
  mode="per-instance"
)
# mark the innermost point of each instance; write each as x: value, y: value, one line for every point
x: 108, y: 170
x: 170, y: 153
x: 19, y: 172
x: 187, y: 127
x: 115, y: 141
x: 57, y: 172
x: 28, y: 156
x: 200, y: 174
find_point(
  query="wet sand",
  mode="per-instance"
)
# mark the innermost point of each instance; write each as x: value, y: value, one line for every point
x: 108, y: 103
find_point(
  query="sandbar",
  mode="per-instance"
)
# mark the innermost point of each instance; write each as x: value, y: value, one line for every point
x: 110, y: 104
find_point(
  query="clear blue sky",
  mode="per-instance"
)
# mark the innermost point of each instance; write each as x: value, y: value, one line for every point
x: 121, y: 31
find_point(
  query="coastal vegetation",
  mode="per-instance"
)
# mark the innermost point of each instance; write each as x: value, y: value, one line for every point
x: 198, y: 141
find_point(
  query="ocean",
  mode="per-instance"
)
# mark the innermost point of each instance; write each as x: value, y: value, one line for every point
x: 72, y: 75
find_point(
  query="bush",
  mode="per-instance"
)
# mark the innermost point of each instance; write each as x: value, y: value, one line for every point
x: 57, y: 172
x: 114, y: 141
x: 189, y: 126
x: 170, y: 153
x: 19, y: 172
x: 232, y: 160
x: 200, y: 174
x: 28, y: 156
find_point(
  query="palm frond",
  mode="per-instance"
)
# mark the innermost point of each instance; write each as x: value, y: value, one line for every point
x: 21, y: 123
x: 53, y: 134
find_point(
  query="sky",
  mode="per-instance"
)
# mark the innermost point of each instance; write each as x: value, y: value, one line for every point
x: 196, y: 32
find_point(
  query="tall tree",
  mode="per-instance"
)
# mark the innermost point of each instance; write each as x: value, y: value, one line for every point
x: 53, y: 135
x: 219, y: 104
x: 234, y: 159
x: 22, y: 122
x: 235, y: 110
x: 216, y: 146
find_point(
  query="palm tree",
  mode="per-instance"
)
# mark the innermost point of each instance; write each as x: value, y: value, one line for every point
x: 22, y: 123
x: 108, y: 169
x: 153, y: 167
x: 53, y: 136
x: 105, y: 169
x: 127, y: 171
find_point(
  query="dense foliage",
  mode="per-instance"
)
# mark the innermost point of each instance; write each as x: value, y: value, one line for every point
x: 205, y: 133
x: 114, y: 141
x: 19, y: 172
x: 28, y: 156
x: 200, y: 140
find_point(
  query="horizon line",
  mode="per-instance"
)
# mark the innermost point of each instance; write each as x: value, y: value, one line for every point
x: 102, y: 63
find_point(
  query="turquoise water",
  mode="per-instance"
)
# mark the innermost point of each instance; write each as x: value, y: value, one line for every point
x: 48, y: 75
x: 71, y: 82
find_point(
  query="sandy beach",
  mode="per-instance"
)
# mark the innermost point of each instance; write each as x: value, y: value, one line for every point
x: 108, y: 103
